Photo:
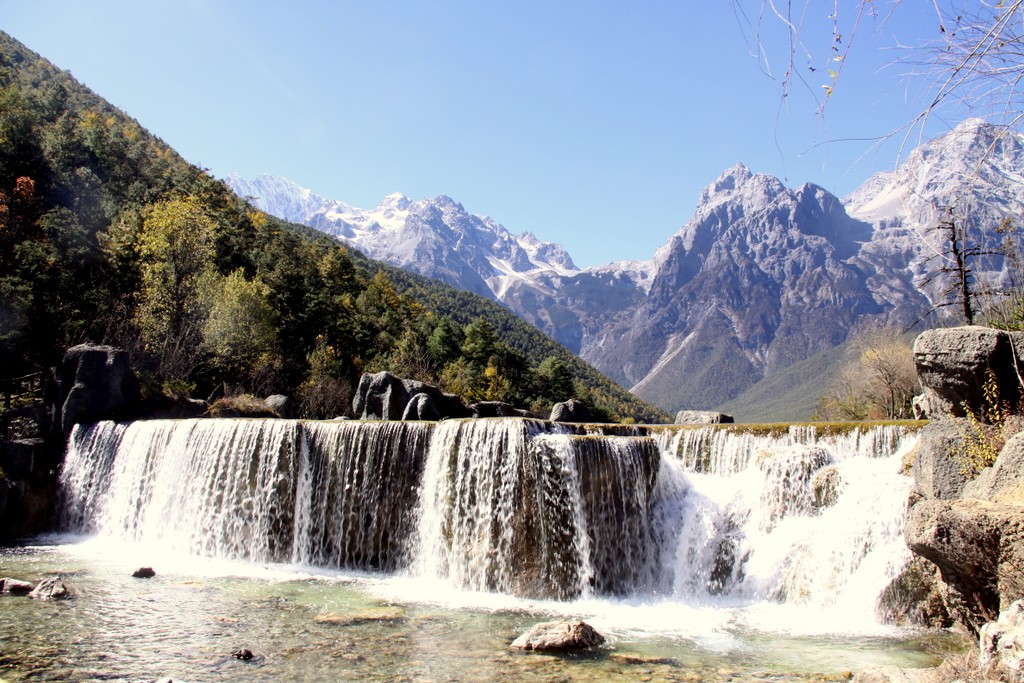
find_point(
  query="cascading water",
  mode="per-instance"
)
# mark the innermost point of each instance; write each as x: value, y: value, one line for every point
x: 700, y: 516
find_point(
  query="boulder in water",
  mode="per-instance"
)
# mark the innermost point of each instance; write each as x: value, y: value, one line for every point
x: 559, y: 636
x: 50, y: 589
x: 15, y: 587
x: 143, y: 573
x: 826, y: 485
x: 571, y: 411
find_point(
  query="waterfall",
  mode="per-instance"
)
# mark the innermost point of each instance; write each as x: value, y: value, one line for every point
x: 799, y: 516
x: 334, y: 495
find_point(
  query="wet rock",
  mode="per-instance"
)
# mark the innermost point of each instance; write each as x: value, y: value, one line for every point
x: 914, y: 598
x: 559, y: 636
x: 15, y: 587
x: 143, y: 573
x: 388, y: 614
x: 50, y: 589
x: 826, y: 485
x: 1001, y: 644
x: 245, y: 654
x: 702, y: 417
x: 571, y: 411
x: 894, y: 674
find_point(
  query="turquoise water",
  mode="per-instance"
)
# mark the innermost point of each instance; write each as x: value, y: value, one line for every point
x: 312, y: 626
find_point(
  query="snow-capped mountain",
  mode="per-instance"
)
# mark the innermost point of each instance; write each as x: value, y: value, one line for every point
x: 975, y: 175
x: 761, y: 276
x: 440, y: 239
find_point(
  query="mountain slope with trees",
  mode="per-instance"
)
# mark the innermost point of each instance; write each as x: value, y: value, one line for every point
x: 108, y: 235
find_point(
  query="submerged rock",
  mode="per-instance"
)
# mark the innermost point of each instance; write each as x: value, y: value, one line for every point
x: 15, y: 587
x: 391, y: 614
x: 50, y: 589
x: 559, y: 636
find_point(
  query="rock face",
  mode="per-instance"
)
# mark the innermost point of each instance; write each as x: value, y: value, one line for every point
x: 971, y: 531
x: 978, y: 548
x: 702, y: 417
x: 936, y: 470
x: 570, y: 411
x: 559, y: 636
x: 92, y: 383
x: 383, y: 396
x: 952, y: 364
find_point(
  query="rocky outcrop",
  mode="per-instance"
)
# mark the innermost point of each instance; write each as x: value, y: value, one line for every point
x: 978, y: 547
x: 953, y: 363
x: 383, y: 396
x: 282, y: 405
x: 92, y: 383
x: 971, y: 531
x: 571, y: 411
x: 702, y: 417
x: 559, y: 636
x: 937, y: 469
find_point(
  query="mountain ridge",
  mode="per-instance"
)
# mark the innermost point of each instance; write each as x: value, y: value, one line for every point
x: 763, y: 276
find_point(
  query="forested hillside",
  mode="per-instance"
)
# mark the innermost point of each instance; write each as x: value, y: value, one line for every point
x: 107, y: 235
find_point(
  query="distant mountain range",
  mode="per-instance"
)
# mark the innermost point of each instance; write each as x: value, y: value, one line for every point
x: 760, y: 278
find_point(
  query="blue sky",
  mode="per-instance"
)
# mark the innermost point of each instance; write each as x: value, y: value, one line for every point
x: 594, y: 124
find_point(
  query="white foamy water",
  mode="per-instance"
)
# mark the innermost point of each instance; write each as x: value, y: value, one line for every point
x: 698, y: 534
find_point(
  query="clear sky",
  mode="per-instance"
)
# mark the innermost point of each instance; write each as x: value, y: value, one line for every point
x: 594, y: 124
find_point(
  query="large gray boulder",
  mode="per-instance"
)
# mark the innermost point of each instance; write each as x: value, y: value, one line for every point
x: 571, y: 411
x: 937, y: 471
x: 383, y: 396
x: 380, y: 396
x: 421, y: 407
x: 92, y: 383
x: 559, y: 636
x: 952, y: 364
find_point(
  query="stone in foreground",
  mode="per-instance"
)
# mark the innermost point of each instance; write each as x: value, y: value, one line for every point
x: 559, y: 636
x: 50, y: 589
